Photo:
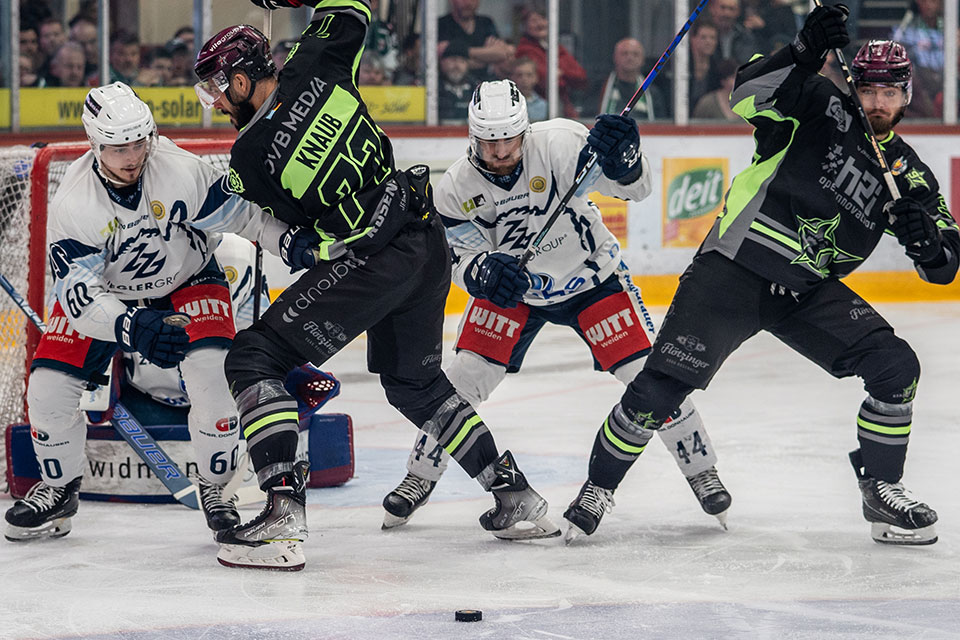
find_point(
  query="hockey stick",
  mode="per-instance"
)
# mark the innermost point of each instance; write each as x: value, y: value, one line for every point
x: 129, y: 428
x: 865, y: 121
x: 592, y: 160
x: 258, y: 255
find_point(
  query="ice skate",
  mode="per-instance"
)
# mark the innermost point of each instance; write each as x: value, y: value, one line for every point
x: 273, y: 539
x: 517, y: 503
x: 43, y: 513
x: 713, y: 496
x: 894, y: 517
x: 587, y: 509
x: 400, y: 504
x: 220, y: 513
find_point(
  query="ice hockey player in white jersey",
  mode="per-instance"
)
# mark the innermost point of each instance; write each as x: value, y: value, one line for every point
x: 132, y: 231
x: 493, y: 202
x: 236, y: 256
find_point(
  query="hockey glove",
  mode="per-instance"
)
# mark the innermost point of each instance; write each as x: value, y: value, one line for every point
x: 915, y: 230
x: 144, y: 330
x: 276, y: 4
x: 497, y: 277
x: 825, y: 28
x: 297, y: 248
x: 312, y: 389
x: 616, y: 142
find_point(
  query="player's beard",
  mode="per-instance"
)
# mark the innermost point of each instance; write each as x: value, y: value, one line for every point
x: 883, y: 124
x: 244, y: 114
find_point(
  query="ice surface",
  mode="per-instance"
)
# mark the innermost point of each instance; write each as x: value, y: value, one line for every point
x: 797, y: 561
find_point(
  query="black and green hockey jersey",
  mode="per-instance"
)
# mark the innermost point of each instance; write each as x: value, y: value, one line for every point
x: 312, y: 156
x: 811, y: 204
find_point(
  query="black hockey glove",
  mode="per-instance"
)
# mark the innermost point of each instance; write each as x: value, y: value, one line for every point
x: 148, y: 332
x: 296, y: 248
x: 276, y: 4
x: 825, y: 28
x: 497, y: 277
x: 616, y: 142
x: 915, y: 230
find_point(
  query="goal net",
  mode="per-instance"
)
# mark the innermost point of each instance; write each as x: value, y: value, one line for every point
x: 28, y: 179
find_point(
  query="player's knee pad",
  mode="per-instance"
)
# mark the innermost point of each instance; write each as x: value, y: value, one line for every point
x: 54, y: 399
x: 252, y: 357
x: 474, y: 377
x: 655, y: 395
x: 212, y: 420
x: 418, y: 400
x: 888, y: 366
x: 57, y: 425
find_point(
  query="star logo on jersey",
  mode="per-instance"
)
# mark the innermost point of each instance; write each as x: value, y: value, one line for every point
x: 818, y: 245
x: 916, y: 179
x: 645, y: 420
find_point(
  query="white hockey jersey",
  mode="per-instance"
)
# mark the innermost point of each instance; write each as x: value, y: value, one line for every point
x: 577, y: 254
x: 106, y: 248
x: 236, y: 256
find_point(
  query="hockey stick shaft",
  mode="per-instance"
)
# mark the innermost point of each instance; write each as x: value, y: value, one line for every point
x: 258, y: 250
x: 592, y: 160
x: 129, y: 428
x: 865, y: 121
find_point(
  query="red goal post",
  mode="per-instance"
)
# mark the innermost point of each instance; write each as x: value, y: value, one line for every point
x: 29, y: 177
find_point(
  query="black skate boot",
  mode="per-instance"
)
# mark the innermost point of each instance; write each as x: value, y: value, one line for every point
x: 412, y: 493
x: 713, y: 496
x: 586, y: 510
x: 516, y: 502
x: 273, y: 539
x: 220, y: 513
x: 43, y: 513
x: 894, y: 517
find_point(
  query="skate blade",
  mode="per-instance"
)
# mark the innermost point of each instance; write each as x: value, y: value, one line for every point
x: 56, y: 528
x: 391, y: 521
x: 542, y: 527
x: 573, y: 532
x: 888, y: 534
x: 722, y: 518
x: 273, y: 556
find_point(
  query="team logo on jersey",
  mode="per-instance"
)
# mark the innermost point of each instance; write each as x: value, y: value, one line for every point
x: 234, y: 182
x: 230, y: 273
x: 40, y: 436
x: 158, y: 210
x: 818, y: 245
x: 899, y: 166
x: 538, y: 184
x: 916, y: 178
x: 473, y: 203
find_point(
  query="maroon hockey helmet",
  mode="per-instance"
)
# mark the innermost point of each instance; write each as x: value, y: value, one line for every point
x: 240, y: 47
x: 883, y: 62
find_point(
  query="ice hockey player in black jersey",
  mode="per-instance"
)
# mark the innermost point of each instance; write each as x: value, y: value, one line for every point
x: 376, y: 260
x: 808, y: 211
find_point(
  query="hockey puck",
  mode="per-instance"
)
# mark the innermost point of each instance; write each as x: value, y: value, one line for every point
x: 177, y: 320
x: 468, y: 615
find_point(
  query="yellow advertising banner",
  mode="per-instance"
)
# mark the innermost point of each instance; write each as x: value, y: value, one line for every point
x: 614, y: 212
x: 396, y: 104
x: 693, y: 191
x: 57, y: 107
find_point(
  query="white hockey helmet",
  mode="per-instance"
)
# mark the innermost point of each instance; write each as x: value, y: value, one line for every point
x: 113, y: 114
x: 497, y: 111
